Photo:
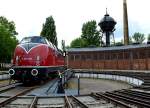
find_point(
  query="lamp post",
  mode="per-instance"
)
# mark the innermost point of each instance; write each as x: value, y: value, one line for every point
x: 78, y: 84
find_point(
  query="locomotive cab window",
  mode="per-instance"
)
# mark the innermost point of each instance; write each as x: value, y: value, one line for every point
x: 35, y: 39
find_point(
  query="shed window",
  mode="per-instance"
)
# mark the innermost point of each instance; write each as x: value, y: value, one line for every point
x: 88, y: 57
x: 107, y: 56
x: 82, y: 57
x: 101, y: 56
x: 142, y: 54
x: 135, y: 55
x: 120, y: 55
x: 77, y: 57
x: 126, y: 55
x: 113, y: 56
x: 148, y: 51
x: 95, y: 57
x: 71, y: 57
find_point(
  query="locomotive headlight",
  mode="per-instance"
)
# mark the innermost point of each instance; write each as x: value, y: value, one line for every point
x: 11, y: 72
x: 34, y: 72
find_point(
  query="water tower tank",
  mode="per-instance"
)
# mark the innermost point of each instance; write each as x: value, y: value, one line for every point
x: 107, y: 25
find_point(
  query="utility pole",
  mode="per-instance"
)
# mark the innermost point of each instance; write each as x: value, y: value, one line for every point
x: 125, y: 23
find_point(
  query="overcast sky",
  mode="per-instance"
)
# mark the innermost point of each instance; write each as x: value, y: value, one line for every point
x: 69, y: 15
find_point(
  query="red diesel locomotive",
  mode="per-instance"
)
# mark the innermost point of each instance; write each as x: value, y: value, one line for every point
x: 35, y: 59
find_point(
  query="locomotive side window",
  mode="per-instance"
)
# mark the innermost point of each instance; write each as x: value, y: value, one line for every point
x: 54, y: 47
x: 50, y: 44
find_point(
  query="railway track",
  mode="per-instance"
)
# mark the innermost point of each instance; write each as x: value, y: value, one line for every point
x: 5, y: 88
x: 86, y: 101
x: 12, y: 98
x: 51, y: 87
x: 127, y: 98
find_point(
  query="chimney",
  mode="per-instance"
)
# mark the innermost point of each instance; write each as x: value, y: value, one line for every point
x: 125, y: 23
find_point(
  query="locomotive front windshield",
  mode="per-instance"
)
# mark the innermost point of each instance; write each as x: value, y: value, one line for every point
x: 33, y: 40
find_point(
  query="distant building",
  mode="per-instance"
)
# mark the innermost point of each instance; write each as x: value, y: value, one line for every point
x: 134, y: 57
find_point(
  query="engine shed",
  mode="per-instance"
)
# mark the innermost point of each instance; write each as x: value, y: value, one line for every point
x: 130, y: 57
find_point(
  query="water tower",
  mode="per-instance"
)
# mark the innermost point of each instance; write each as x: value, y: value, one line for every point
x: 107, y: 25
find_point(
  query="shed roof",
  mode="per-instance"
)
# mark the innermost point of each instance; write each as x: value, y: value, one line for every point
x: 108, y: 48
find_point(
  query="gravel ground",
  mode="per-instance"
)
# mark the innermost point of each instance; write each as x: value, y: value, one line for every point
x: 97, y: 85
x: 4, y: 82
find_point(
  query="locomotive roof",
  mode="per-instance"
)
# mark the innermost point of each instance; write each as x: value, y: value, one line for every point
x: 108, y: 48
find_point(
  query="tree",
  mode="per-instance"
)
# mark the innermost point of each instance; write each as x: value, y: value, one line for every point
x: 63, y: 45
x: 138, y: 37
x: 148, y: 38
x: 90, y: 33
x: 130, y: 40
x: 120, y: 43
x: 78, y: 43
x: 8, y: 39
x: 49, y: 30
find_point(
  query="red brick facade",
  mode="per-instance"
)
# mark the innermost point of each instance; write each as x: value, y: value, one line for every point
x: 137, y: 58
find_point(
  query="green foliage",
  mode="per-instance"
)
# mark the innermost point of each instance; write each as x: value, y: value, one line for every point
x: 148, y: 38
x: 49, y: 30
x: 138, y: 37
x: 78, y: 43
x: 130, y: 40
x: 8, y: 40
x: 90, y: 33
x: 63, y: 45
x: 67, y: 47
x: 119, y: 43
